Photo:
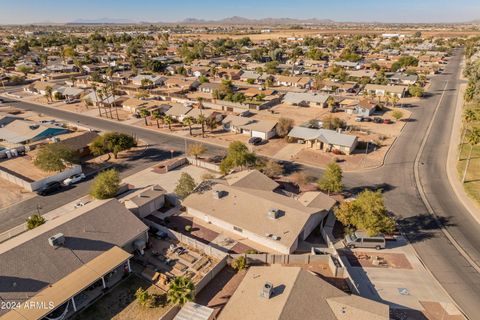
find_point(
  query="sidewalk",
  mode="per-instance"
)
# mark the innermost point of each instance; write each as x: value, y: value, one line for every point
x: 403, y: 285
x: 452, y: 159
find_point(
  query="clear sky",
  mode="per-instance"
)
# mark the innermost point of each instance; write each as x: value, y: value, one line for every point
x: 28, y: 11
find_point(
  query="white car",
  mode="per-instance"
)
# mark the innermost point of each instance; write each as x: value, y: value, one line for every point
x: 74, y: 179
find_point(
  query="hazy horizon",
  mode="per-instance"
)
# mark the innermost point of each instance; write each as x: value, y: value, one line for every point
x: 388, y: 11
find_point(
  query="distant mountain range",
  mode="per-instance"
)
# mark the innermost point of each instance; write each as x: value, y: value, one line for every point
x: 102, y: 21
x: 264, y: 21
x: 235, y: 20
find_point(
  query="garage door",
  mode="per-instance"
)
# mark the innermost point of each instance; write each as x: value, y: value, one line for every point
x: 259, y: 134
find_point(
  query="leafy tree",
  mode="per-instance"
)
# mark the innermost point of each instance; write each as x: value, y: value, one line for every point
x: 105, y: 185
x: 332, y: 123
x: 185, y: 185
x: 181, y: 291
x: 54, y: 157
x: 272, y: 169
x: 367, y: 212
x: 24, y: 69
x: 416, y: 91
x: 284, y: 126
x: 113, y: 142
x: 397, y: 114
x: 196, y: 150
x: 202, y: 120
x: 49, y: 93
x: 238, y: 155
x: 239, y: 264
x: 331, y: 180
x: 35, y: 221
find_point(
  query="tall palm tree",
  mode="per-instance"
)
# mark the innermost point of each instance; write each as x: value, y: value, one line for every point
x: 473, y: 139
x: 144, y: 113
x: 157, y: 115
x: 169, y: 121
x: 100, y: 95
x: 112, y: 88
x: 469, y: 115
x: 189, y: 121
x: 181, y: 291
x: 201, y: 120
x: 106, y: 93
x: 94, y: 88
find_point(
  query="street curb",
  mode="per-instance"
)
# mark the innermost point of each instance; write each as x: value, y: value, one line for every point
x: 452, y: 162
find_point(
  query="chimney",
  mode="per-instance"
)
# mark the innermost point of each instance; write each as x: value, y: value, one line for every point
x: 267, y: 290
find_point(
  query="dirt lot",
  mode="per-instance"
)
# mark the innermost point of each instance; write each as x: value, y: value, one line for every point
x: 12, y: 194
x: 120, y: 303
x: 276, y: 34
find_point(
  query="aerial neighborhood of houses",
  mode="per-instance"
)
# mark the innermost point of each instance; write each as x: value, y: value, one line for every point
x: 169, y: 172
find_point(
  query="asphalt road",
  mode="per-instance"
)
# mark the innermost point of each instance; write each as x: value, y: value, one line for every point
x: 448, y: 266
x: 396, y: 178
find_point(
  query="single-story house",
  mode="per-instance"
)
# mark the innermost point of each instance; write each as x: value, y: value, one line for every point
x: 324, y: 139
x: 209, y: 87
x: 178, y: 111
x: 402, y: 78
x: 40, y: 87
x: 383, y: 90
x: 155, y: 80
x: 363, y: 107
x: 79, y: 142
x: 306, y: 99
x: 297, y: 82
x: 69, y: 93
x: 234, y: 123
x: 257, y: 213
x: 133, y: 105
x: 248, y: 74
x: 281, y: 292
x: 146, y: 201
x: 260, y: 128
x: 68, y: 262
x: 23, y: 131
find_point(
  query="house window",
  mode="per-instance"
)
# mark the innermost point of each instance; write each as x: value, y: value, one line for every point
x: 237, y: 229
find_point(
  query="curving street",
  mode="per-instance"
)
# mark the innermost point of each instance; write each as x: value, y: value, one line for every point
x: 424, y: 142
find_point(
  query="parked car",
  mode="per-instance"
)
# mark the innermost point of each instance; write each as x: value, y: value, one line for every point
x: 362, y: 240
x: 74, y: 179
x: 367, y: 119
x: 50, y: 187
x: 161, y: 235
x: 387, y: 121
x: 255, y: 141
x: 378, y: 120
x: 71, y: 101
x: 359, y: 119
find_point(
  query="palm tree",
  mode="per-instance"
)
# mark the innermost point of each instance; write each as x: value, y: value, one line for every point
x: 94, y: 88
x: 157, y: 115
x: 189, y: 121
x: 144, y: 113
x: 473, y: 139
x: 469, y: 115
x: 201, y: 120
x: 112, y: 89
x: 169, y: 121
x: 107, y: 92
x: 181, y: 291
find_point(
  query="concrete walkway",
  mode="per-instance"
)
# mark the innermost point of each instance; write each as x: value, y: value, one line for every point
x: 452, y: 160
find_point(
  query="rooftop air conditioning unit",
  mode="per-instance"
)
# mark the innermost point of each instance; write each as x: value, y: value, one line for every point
x: 56, y: 240
x: 273, y: 213
x: 217, y: 194
x: 274, y: 237
x: 267, y: 290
